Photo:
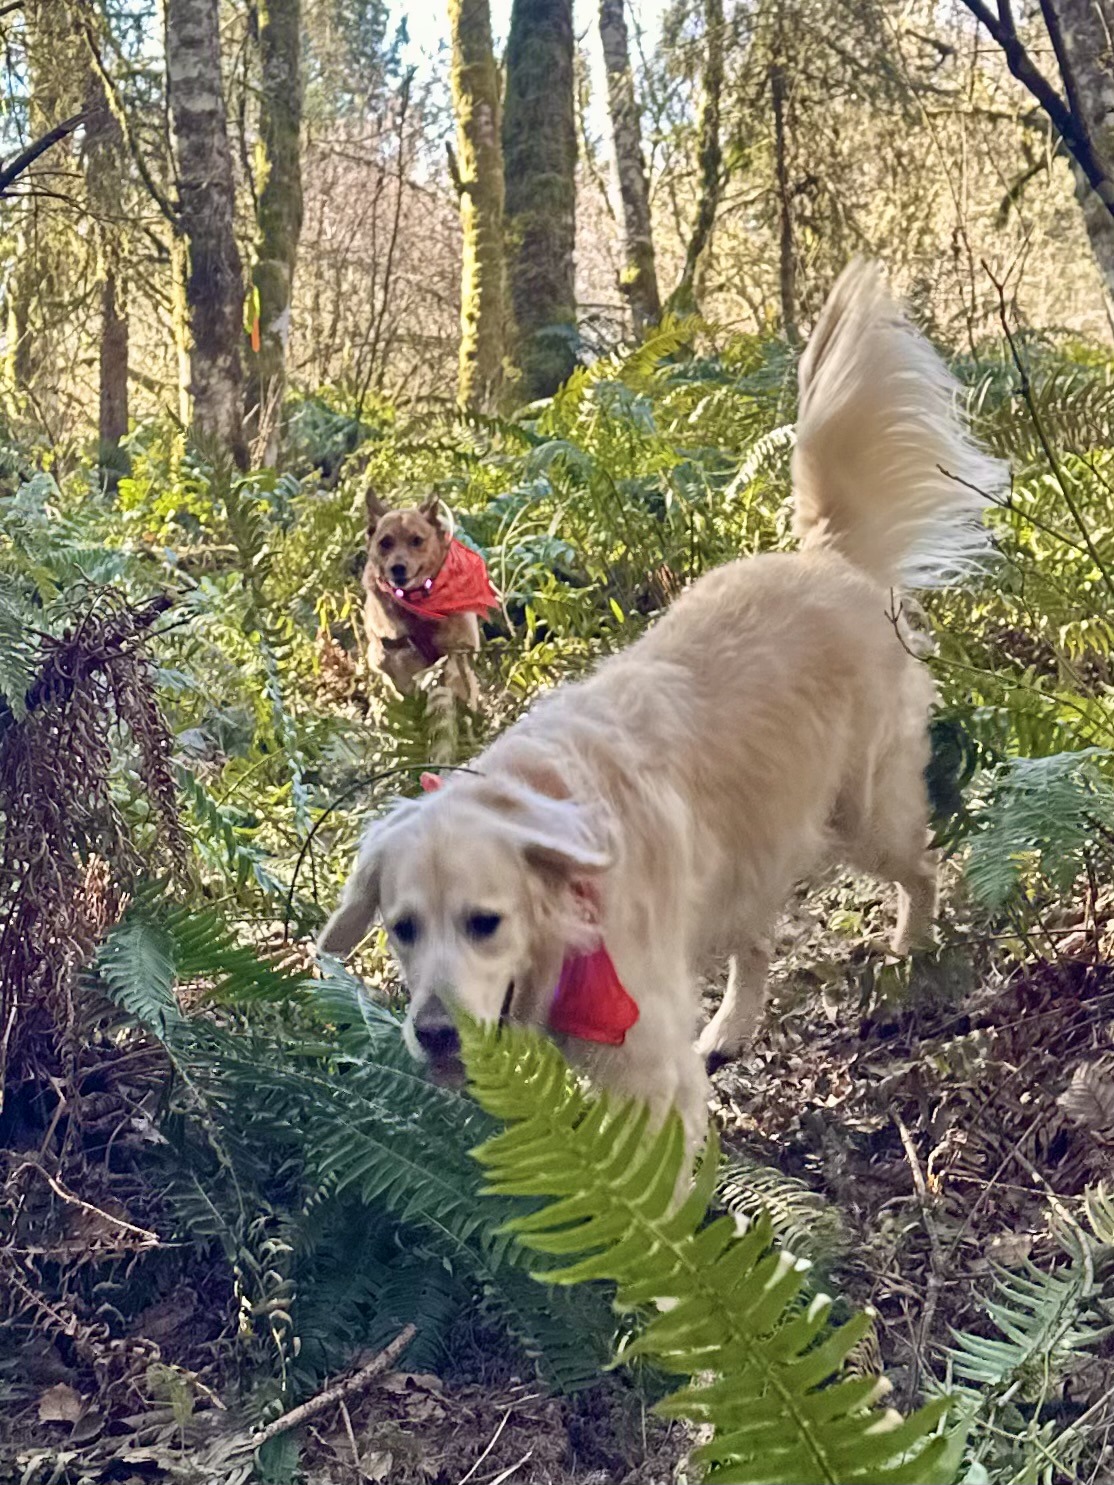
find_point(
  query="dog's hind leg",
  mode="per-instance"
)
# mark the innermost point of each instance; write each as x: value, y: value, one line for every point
x: 893, y: 846
x: 733, y: 1025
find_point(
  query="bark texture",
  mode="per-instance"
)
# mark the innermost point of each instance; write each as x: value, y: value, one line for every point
x: 1085, y: 40
x: 539, y: 152
x: 54, y: 82
x: 479, y: 181
x: 683, y: 300
x: 787, y: 250
x: 279, y: 216
x: 639, y: 278
x: 214, y: 282
x: 104, y: 168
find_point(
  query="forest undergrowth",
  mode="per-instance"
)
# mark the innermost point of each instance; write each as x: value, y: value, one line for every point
x: 225, y: 1188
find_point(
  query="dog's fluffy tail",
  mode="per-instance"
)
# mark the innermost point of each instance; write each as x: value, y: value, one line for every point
x: 884, y: 470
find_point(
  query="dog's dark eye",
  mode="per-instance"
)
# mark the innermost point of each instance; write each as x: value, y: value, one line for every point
x: 386, y: 544
x: 483, y: 925
x: 417, y: 541
x: 405, y: 930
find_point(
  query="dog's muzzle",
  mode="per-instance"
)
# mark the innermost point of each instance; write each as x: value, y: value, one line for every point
x: 438, y: 1041
x: 436, y: 1035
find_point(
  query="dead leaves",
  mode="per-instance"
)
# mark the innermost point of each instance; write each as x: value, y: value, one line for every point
x: 60, y: 1404
x: 1089, y: 1098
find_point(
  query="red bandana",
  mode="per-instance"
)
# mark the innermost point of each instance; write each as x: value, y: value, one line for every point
x: 461, y: 587
x: 590, y: 1001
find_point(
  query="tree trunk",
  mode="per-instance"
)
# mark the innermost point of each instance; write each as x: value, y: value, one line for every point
x: 639, y: 278
x: 479, y: 182
x: 104, y: 174
x: 539, y: 151
x: 683, y: 299
x: 787, y: 255
x: 54, y: 92
x: 279, y: 217
x: 112, y: 424
x: 214, y: 284
x: 1086, y: 30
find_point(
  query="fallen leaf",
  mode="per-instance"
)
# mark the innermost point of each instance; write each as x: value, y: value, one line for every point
x: 60, y: 1404
x: 87, y: 1428
x: 376, y: 1464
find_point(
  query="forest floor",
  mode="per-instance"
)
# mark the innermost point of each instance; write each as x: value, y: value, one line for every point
x: 925, y: 1102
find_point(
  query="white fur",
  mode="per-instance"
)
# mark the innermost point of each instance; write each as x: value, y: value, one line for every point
x: 883, y: 470
x: 773, y: 717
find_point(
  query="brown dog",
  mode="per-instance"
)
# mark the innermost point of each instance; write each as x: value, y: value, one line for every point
x: 425, y: 593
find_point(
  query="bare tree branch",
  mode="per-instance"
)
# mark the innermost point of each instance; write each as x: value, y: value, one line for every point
x: 27, y: 157
x: 1068, y: 121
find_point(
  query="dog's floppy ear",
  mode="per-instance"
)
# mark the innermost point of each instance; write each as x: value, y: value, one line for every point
x: 359, y: 902
x: 562, y: 835
x: 376, y: 509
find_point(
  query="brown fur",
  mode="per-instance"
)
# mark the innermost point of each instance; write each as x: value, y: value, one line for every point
x: 405, y: 547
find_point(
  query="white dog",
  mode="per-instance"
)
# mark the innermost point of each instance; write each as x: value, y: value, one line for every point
x: 662, y: 809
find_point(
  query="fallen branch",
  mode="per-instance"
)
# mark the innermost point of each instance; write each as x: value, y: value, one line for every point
x: 340, y: 1392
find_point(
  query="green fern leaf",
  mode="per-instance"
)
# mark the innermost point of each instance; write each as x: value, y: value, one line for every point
x: 717, y: 1301
x: 1043, y: 815
x: 801, y: 1220
x: 138, y: 966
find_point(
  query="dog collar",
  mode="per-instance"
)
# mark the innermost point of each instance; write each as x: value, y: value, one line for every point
x: 590, y: 1001
x: 405, y: 592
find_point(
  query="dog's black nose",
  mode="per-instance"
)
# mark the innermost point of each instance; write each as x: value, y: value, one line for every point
x: 398, y: 573
x: 438, y: 1041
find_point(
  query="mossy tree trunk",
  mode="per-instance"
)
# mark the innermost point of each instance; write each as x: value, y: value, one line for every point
x: 638, y: 279
x: 104, y: 164
x: 683, y: 300
x: 54, y: 91
x: 279, y: 216
x: 214, y: 283
x: 1086, y: 28
x: 479, y: 182
x: 539, y: 153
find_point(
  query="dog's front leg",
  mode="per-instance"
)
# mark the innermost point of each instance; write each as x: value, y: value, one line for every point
x: 402, y: 665
x: 657, y: 1062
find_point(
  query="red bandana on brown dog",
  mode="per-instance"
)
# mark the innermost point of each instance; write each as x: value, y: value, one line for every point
x: 425, y: 594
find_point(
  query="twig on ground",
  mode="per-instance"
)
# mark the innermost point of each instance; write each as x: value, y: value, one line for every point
x: 144, y: 1235
x: 491, y: 1445
x: 936, y: 1275
x: 513, y: 1469
x: 349, y: 1388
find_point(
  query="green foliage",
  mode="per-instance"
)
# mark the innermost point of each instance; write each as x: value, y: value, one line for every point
x: 1045, y: 819
x: 1044, y: 1320
x: 292, y: 1130
x: 304, y: 1154
x: 801, y: 1220
x: 725, y: 1303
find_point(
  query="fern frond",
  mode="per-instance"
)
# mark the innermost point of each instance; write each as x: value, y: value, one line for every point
x: 725, y: 1303
x: 1043, y: 816
x: 160, y: 944
x: 1099, y: 1203
x: 18, y: 653
x: 1042, y: 1318
x: 801, y: 1220
x: 138, y: 966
